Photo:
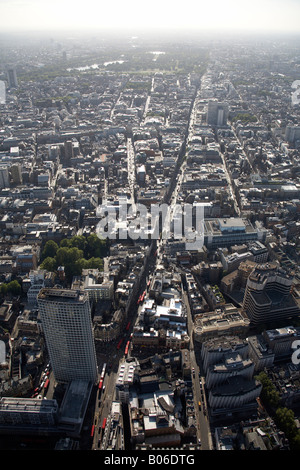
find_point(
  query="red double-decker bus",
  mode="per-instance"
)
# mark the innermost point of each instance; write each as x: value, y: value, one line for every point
x: 127, y: 348
x: 143, y: 296
x: 103, y: 371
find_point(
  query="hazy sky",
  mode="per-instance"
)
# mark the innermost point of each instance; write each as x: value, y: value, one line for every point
x: 233, y: 15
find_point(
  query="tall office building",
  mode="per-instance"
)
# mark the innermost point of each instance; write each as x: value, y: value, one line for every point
x: 4, y: 177
x: 268, y: 295
x: 16, y: 173
x: 67, y: 325
x: 292, y: 133
x: 69, y: 151
x: 12, y: 77
x: 2, y: 92
x: 217, y: 113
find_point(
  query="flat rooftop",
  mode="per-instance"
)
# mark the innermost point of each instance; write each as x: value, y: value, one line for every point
x: 232, y: 224
x: 218, y: 227
x: 32, y: 405
x: 75, y: 402
x: 62, y: 295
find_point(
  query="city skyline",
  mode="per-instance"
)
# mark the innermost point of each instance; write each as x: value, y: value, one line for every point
x: 232, y: 16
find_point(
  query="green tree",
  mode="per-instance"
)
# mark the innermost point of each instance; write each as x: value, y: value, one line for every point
x: 73, y: 268
x: 3, y: 289
x: 95, y: 247
x: 14, y: 288
x: 269, y: 393
x: 78, y: 241
x: 66, y: 255
x: 94, y: 263
x: 285, y: 419
x: 245, y: 118
x: 49, y: 264
x: 75, y: 254
x: 295, y: 442
x: 70, y: 258
x: 65, y: 242
x: 50, y: 249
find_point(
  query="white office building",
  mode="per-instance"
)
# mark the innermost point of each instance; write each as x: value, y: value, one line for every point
x: 125, y: 380
x: 67, y: 325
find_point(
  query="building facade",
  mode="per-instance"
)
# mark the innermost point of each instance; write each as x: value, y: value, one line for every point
x: 67, y: 325
x: 268, y: 295
x: 260, y: 353
x: 28, y: 412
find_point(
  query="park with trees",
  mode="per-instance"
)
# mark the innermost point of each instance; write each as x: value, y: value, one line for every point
x: 74, y: 254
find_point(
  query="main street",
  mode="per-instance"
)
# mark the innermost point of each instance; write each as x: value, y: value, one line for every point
x: 198, y: 381
x: 106, y: 396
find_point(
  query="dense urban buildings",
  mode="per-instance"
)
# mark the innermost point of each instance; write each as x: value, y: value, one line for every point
x: 114, y: 336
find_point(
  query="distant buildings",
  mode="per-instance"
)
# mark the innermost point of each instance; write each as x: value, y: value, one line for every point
x: 217, y: 113
x: 67, y: 325
x: 2, y: 92
x: 26, y: 258
x: 230, y: 231
x: 37, y: 280
x: 12, y: 77
x: 292, y: 134
x: 4, y: 177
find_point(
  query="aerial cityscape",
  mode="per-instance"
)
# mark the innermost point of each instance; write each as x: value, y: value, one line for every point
x: 150, y: 232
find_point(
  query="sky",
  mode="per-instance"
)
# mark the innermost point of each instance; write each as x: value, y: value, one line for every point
x: 209, y: 15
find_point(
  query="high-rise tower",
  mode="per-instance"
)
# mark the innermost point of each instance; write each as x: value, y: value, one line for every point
x: 12, y: 77
x: 67, y: 325
x: 217, y: 113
